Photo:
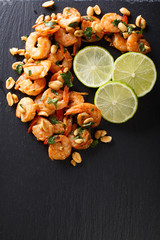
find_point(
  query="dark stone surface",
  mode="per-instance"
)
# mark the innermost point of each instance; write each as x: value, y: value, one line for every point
x: 115, y: 193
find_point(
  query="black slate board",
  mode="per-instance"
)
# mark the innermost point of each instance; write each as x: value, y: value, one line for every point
x: 115, y: 193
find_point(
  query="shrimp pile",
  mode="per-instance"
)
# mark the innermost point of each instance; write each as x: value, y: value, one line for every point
x: 59, y: 117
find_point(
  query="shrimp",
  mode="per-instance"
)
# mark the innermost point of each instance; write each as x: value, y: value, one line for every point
x: 32, y: 88
x: 85, y: 139
x: 58, y: 77
x: 37, y: 70
x: 61, y: 149
x: 107, y: 22
x: 62, y: 55
x: 68, y: 125
x: 119, y: 42
x: 55, y: 99
x: 64, y: 38
x: 96, y: 33
x: 43, y: 46
x: 134, y: 42
x: 68, y: 17
x: 41, y: 128
x: 26, y: 109
x: 47, y: 28
x: 42, y: 110
x: 76, y: 98
x: 92, y: 111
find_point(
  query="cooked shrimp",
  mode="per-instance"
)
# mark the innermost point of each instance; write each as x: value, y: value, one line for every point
x: 64, y: 38
x: 43, y: 46
x: 88, y: 108
x: 119, y: 42
x: 47, y: 28
x: 26, y: 109
x: 56, y: 99
x: 57, y: 77
x: 85, y: 139
x: 41, y: 128
x: 59, y: 127
x: 97, y: 32
x: 61, y: 149
x: 42, y: 110
x: 107, y: 22
x: 133, y: 44
x: 61, y: 59
x: 68, y: 125
x: 37, y: 70
x: 32, y: 88
x: 76, y: 98
x: 69, y: 16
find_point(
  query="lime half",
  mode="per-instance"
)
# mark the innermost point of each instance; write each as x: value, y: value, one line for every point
x: 93, y: 66
x: 116, y: 101
x: 137, y: 70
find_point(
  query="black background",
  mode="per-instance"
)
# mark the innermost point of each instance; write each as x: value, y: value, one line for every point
x: 114, y: 194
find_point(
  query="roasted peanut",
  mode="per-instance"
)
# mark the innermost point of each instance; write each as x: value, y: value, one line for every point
x: 10, y: 83
x: 125, y: 11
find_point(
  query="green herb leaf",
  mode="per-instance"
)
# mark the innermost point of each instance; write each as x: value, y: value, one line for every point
x: 94, y: 143
x: 42, y: 98
x: 51, y: 140
x: 57, y: 45
x: 57, y: 63
x: 60, y: 132
x: 88, y: 18
x: 38, y: 61
x: 21, y: 105
x: 140, y: 32
x: 19, y: 68
x: 130, y: 29
x: 141, y: 46
x: 54, y: 101
x: 73, y: 24
x: 88, y: 32
x: 29, y: 72
x: 50, y: 24
x: 77, y: 137
x: 88, y: 124
x: 53, y: 91
x: 67, y: 77
x: 116, y: 22
x: 53, y: 120
x: 97, y: 38
x: 64, y: 50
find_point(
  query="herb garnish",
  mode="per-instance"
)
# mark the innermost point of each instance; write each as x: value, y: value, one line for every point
x: 130, y: 29
x: 116, y: 22
x: 64, y: 50
x: 141, y: 46
x: 53, y: 91
x: 42, y: 98
x: 88, y: 32
x: 54, y: 101
x: 88, y: 18
x: 94, y: 143
x: 38, y: 61
x: 57, y: 45
x: 19, y: 68
x: 53, y: 120
x: 51, y: 140
x: 29, y: 72
x: 67, y: 77
x: 50, y: 24
x: 57, y: 63
x: 97, y: 38
x: 73, y: 24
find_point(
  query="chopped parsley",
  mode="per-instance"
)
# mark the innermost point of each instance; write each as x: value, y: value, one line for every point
x: 130, y: 29
x: 57, y: 63
x: 64, y: 50
x: 88, y: 124
x: 88, y: 32
x: 42, y: 98
x: 141, y: 47
x: 54, y: 101
x: 19, y: 68
x: 67, y: 77
x: 94, y: 143
x: 53, y: 120
x: 88, y: 18
x: 116, y: 22
x: 38, y: 61
x: 21, y: 105
x: 50, y: 24
x: 57, y: 45
x: 77, y: 137
x: 29, y: 72
x: 51, y: 140
x: 140, y: 32
x: 53, y: 91
x: 73, y: 24
x: 97, y: 38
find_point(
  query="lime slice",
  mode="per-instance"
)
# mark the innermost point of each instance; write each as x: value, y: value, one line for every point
x: 93, y: 66
x: 116, y: 101
x: 137, y: 70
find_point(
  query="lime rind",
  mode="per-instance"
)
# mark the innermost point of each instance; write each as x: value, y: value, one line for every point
x: 129, y: 103
x: 144, y: 68
x: 93, y: 66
